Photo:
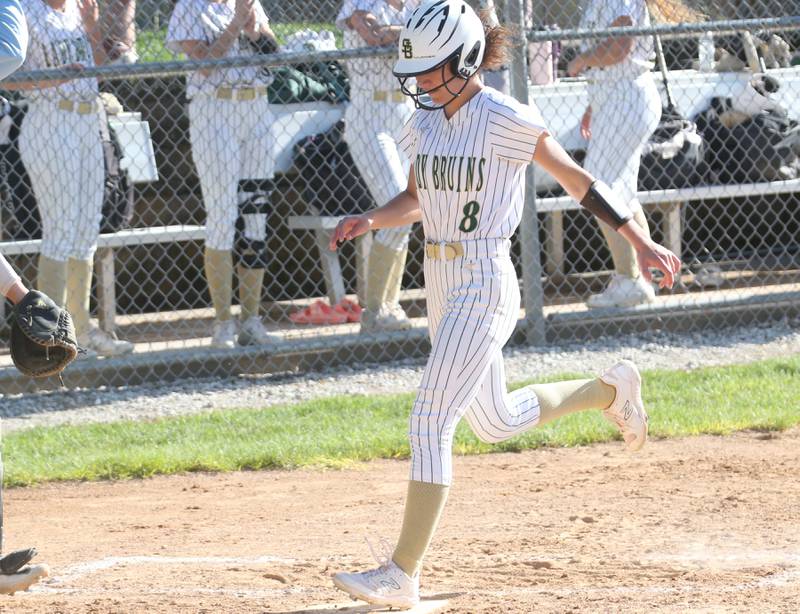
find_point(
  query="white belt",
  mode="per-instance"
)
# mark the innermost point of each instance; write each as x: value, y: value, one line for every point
x: 388, y: 96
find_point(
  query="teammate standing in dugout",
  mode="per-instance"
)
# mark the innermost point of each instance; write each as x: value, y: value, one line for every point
x: 229, y: 121
x: 62, y: 151
x: 374, y: 120
x: 469, y: 147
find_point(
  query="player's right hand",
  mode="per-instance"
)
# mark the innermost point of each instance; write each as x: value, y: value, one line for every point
x: 243, y: 10
x: 586, y: 124
x: 348, y: 228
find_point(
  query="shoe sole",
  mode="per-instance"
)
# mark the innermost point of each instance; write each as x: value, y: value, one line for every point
x: 356, y: 594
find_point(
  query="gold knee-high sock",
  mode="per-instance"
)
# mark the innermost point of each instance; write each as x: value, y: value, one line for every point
x: 424, y: 504
x: 384, y: 275
x: 623, y: 255
x: 79, y: 287
x: 251, y: 283
x: 219, y: 274
x: 562, y: 398
x: 51, y: 278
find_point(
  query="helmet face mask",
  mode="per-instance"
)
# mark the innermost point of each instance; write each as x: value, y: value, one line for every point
x: 440, y: 34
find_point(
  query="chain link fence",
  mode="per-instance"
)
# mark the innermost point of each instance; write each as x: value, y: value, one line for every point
x: 190, y: 200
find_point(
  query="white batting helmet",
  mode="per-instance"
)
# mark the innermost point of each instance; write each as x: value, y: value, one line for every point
x: 437, y: 33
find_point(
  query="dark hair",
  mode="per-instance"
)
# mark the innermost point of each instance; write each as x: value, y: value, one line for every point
x: 499, y: 40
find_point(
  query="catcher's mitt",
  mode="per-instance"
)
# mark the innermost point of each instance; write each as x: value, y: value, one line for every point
x: 42, y: 336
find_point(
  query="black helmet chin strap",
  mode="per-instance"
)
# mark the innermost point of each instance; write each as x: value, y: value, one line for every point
x: 415, y: 96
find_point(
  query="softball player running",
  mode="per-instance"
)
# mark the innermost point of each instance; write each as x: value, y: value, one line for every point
x: 624, y: 110
x: 374, y: 119
x: 469, y: 147
x: 229, y: 121
x: 61, y: 148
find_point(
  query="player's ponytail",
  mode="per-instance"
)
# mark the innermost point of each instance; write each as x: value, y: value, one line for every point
x: 499, y: 39
x: 673, y: 11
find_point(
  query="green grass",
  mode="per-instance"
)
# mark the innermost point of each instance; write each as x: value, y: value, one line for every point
x: 151, y: 47
x: 338, y: 431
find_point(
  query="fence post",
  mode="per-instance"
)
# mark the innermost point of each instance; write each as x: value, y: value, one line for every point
x: 530, y: 249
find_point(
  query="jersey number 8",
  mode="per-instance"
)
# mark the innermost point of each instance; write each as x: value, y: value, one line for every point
x: 470, y: 220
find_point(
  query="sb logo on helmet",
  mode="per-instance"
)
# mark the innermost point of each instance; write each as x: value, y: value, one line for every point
x: 407, y: 52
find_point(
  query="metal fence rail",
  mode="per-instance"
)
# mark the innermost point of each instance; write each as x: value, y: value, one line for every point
x: 720, y: 188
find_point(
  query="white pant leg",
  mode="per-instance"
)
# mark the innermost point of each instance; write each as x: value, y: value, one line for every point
x: 371, y: 130
x: 217, y: 157
x: 91, y: 186
x: 62, y: 154
x: 479, y: 308
x: 624, y: 116
x: 258, y: 152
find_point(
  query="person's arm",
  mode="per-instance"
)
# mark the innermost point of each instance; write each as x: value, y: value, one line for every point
x: 90, y: 15
x: 44, y: 83
x: 374, y: 34
x: 402, y: 210
x: 11, y: 285
x: 598, y: 199
x: 608, y: 52
x: 201, y: 50
x: 13, y: 37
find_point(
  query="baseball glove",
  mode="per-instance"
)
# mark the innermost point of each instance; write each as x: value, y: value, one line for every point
x: 42, y: 336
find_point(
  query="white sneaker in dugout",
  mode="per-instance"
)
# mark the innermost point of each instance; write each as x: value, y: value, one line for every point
x: 387, y: 318
x: 627, y: 411
x: 252, y: 332
x: 224, y: 335
x: 103, y: 344
x: 623, y: 292
x: 388, y: 585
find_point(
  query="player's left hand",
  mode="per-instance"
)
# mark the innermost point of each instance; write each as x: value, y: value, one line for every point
x: 655, y: 256
x: 576, y: 66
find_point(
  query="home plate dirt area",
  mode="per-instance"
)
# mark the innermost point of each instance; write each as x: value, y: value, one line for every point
x: 703, y: 524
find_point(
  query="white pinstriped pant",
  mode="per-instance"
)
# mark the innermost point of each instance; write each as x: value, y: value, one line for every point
x: 230, y: 141
x: 473, y: 305
x: 371, y: 130
x: 63, y: 155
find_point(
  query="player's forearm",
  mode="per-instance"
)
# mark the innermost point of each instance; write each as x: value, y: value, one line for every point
x: 371, y: 31
x: 402, y: 210
x: 10, y: 284
x: 609, y: 52
x: 96, y: 42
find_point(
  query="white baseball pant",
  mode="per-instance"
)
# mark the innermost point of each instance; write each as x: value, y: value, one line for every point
x: 624, y: 115
x: 371, y: 130
x: 473, y: 305
x: 63, y: 155
x: 230, y: 141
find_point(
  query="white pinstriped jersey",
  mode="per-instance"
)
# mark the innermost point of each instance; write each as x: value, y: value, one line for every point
x: 57, y: 38
x: 470, y: 169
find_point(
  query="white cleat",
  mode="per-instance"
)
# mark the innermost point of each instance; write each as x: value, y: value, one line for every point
x: 388, y: 585
x: 627, y: 410
x: 98, y: 342
x: 224, y: 335
x: 388, y: 317
x: 252, y: 332
x: 23, y: 579
x: 623, y: 292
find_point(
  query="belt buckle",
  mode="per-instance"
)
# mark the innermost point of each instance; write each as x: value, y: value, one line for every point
x: 432, y: 250
x: 65, y: 105
x: 379, y: 96
x: 247, y: 93
x: 84, y: 108
x: 398, y: 96
x: 225, y: 93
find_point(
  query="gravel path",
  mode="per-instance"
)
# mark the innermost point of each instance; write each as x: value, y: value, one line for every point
x: 651, y: 350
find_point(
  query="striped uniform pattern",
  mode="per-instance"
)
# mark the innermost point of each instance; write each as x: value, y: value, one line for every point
x: 61, y: 149
x: 470, y: 174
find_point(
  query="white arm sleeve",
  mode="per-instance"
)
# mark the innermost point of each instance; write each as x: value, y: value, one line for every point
x: 8, y: 276
x: 13, y: 37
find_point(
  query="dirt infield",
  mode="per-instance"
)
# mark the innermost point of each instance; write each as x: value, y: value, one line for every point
x: 702, y: 524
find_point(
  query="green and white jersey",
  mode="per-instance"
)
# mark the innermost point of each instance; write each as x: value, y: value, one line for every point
x: 470, y: 169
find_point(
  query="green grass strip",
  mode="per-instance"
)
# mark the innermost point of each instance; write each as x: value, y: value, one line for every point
x: 338, y: 431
